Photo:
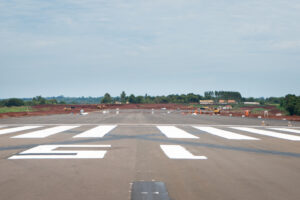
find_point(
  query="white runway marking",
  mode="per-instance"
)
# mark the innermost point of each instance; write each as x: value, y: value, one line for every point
x: 178, y: 152
x: 269, y: 133
x: 17, y: 129
x: 46, y: 132
x: 174, y: 132
x: 225, y: 134
x: 47, y: 152
x: 97, y: 132
x: 286, y: 130
x: 143, y: 124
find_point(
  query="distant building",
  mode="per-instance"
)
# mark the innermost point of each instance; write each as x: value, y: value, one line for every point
x: 221, y: 101
x: 206, y: 102
x: 231, y: 101
x: 227, y: 107
x: 252, y: 103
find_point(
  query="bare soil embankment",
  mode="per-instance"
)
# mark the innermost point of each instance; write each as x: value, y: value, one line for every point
x: 40, y: 110
x: 255, y: 112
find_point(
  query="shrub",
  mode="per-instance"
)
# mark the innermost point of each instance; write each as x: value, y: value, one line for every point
x: 14, y: 102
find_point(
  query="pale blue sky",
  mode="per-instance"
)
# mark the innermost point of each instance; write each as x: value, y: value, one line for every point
x: 89, y: 47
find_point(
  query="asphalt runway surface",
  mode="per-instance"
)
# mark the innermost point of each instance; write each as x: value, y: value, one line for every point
x: 137, y: 154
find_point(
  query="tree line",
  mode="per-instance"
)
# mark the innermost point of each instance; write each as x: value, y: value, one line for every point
x: 290, y: 102
x: 38, y: 100
x: 173, y: 98
x: 225, y: 95
x: 123, y: 98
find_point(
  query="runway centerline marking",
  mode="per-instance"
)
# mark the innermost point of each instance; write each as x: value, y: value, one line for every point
x: 269, y: 133
x: 17, y: 129
x: 97, y: 132
x: 179, y: 152
x: 45, y: 132
x: 149, y: 190
x: 225, y: 134
x: 174, y: 132
x: 48, y: 152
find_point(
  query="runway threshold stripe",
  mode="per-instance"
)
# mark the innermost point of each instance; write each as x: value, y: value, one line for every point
x: 96, y: 132
x: 286, y: 130
x: 174, y: 132
x: 45, y: 132
x: 269, y: 133
x: 225, y: 134
x: 179, y: 152
x: 17, y: 129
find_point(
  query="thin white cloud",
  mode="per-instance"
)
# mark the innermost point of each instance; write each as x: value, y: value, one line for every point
x: 44, y: 43
x: 287, y: 45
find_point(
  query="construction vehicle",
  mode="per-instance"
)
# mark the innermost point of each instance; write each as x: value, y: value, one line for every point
x: 67, y: 109
x: 217, y: 111
x: 101, y: 106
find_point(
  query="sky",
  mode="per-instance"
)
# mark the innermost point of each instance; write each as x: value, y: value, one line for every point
x: 158, y: 47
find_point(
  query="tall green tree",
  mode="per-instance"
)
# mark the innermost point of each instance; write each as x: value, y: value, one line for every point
x: 123, y: 97
x: 139, y: 99
x: 107, y: 98
x: 132, y: 99
x: 292, y: 104
x: 38, y: 100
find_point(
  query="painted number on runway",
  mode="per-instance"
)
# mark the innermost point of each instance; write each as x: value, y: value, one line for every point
x: 49, y: 152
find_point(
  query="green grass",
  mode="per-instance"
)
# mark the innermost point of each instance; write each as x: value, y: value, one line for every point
x: 16, y: 109
x: 273, y: 104
x: 258, y: 109
x: 282, y: 109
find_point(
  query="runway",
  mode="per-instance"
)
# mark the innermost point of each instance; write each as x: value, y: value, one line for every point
x: 135, y: 154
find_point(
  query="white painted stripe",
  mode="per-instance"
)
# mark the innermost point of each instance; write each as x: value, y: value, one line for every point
x: 286, y: 129
x: 225, y: 134
x: 269, y: 133
x: 17, y: 129
x: 174, y: 132
x: 46, y: 132
x: 179, y: 152
x: 150, y: 124
x: 96, y: 132
x: 44, y: 151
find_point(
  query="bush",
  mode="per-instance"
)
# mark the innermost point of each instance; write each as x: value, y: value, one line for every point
x: 3, y: 103
x: 292, y: 104
x: 14, y: 102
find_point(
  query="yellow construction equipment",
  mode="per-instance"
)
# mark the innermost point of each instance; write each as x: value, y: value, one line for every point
x: 217, y: 111
x: 101, y: 106
x: 67, y: 108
